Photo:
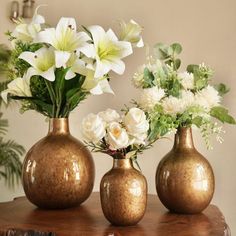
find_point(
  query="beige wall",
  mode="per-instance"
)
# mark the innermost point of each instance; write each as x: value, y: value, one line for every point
x: 207, y: 31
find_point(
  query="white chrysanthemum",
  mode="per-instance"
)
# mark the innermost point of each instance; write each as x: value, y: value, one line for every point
x: 172, y: 105
x: 207, y: 97
x: 187, y: 80
x: 150, y: 97
x: 187, y: 98
x: 138, y: 77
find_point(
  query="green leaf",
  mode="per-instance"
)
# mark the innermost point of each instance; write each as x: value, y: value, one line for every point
x: 177, y: 63
x: 148, y: 78
x: 221, y: 114
x: 197, y: 121
x: 222, y: 89
x: 177, y: 48
x: 161, y: 51
x: 191, y: 68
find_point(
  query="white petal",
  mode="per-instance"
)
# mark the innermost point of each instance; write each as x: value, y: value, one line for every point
x: 88, y: 50
x: 96, y: 90
x: 118, y: 67
x: 112, y: 35
x: 31, y: 72
x: 105, y: 86
x: 64, y: 23
x: 61, y: 58
x: 102, y: 68
x: 4, y: 95
x: 97, y: 33
x: 70, y: 75
x: 46, y: 36
x: 79, y: 67
x: 126, y: 48
x: 140, y: 43
x: 49, y: 74
x: 29, y: 57
x: 38, y: 19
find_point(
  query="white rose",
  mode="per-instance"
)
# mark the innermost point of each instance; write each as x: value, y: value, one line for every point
x: 117, y: 136
x: 207, y: 98
x: 109, y: 115
x: 187, y: 80
x: 136, y: 124
x: 93, y: 128
x: 172, y: 105
x: 150, y: 97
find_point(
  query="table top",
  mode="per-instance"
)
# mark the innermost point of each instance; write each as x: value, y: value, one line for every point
x: 20, y: 216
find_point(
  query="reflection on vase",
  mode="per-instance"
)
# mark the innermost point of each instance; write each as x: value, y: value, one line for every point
x: 184, y: 178
x: 123, y: 192
x: 58, y: 171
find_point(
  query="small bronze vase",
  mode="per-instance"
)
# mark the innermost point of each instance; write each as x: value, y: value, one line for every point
x: 123, y: 192
x: 58, y: 171
x: 184, y: 178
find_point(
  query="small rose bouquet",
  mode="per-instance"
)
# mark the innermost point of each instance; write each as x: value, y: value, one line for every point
x: 118, y: 136
x: 174, y: 99
x: 53, y: 69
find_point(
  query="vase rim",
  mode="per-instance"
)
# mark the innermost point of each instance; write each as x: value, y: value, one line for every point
x: 58, y: 126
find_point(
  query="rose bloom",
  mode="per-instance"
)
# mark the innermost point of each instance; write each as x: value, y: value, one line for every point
x: 109, y: 115
x: 93, y: 128
x: 117, y: 136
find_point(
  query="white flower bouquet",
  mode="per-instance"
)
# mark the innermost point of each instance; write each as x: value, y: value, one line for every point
x: 53, y: 69
x: 118, y: 136
x: 174, y: 99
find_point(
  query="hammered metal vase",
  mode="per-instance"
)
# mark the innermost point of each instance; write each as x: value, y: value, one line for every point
x: 123, y: 192
x: 58, y: 171
x: 184, y: 178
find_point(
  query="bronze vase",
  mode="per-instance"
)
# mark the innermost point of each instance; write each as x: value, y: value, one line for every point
x: 184, y: 178
x: 58, y: 171
x: 123, y: 192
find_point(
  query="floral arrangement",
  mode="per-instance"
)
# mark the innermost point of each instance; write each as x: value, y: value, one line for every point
x: 118, y: 136
x: 174, y: 99
x: 53, y: 69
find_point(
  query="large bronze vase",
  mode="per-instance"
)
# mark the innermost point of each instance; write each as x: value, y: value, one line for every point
x: 123, y: 192
x: 58, y: 171
x: 184, y: 178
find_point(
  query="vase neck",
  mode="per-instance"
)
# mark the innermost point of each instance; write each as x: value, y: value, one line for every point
x: 58, y: 126
x: 183, y: 138
x: 122, y: 163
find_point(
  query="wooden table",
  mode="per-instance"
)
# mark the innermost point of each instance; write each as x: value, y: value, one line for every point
x: 20, y: 215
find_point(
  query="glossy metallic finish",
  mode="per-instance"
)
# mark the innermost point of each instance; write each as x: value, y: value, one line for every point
x: 184, y: 178
x: 58, y: 171
x: 123, y: 192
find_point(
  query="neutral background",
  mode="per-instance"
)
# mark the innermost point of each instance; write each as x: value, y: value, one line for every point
x: 207, y: 31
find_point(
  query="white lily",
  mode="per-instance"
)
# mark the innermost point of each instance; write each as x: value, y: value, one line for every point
x: 76, y: 66
x: 131, y: 32
x: 108, y: 51
x: 42, y: 62
x: 27, y: 32
x: 18, y: 87
x: 96, y: 86
x: 65, y: 39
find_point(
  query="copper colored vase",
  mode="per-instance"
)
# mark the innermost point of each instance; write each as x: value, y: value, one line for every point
x: 184, y: 178
x: 123, y: 192
x: 58, y: 171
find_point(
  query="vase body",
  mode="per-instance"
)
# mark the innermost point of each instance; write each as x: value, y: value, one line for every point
x: 184, y: 178
x: 58, y: 171
x: 123, y: 192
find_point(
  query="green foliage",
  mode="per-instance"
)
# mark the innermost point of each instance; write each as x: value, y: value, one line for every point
x: 17, y: 67
x: 169, y: 54
x: 5, y: 55
x: 222, y: 89
x: 10, y: 153
x: 222, y: 114
x: 202, y: 75
x: 148, y: 78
